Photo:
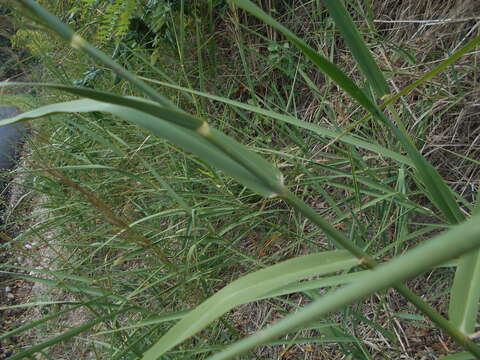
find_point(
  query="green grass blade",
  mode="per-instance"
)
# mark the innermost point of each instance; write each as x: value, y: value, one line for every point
x: 438, y: 192
x: 438, y: 250
x: 186, y: 138
x: 357, y: 46
x: 328, y: 133
x: 465, y: 293
x: 425, y: 78
x: 249, y: 288
x: 459, y: 356
x: 177, y: 117
x: 330, y: 69
x: 65, y: 336
x: 316, y: 284
x: 457, y: 55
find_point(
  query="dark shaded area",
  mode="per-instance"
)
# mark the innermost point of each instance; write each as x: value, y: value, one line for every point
x: 11, y: 136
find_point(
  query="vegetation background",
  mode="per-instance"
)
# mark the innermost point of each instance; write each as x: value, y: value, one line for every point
x: 88, y: 175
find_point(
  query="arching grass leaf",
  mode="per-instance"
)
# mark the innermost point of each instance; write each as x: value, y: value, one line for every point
x: 249, y: 288
x: 186, y: 138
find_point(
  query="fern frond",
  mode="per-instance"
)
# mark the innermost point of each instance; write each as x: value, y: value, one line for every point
x: 116, y: 20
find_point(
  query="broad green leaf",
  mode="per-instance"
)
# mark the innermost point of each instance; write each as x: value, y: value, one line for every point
x: 249, y: 288
x: 357, y: 46
x: 316, y: 284
x: 186, y: 138
x: 176, y: 116
x: 460, y: 240
x: 465, y: 293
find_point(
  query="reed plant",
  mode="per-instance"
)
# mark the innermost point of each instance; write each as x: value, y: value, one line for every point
x: 353, y: 261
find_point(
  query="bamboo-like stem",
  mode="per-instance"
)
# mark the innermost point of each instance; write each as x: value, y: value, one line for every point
x: 340, y: 240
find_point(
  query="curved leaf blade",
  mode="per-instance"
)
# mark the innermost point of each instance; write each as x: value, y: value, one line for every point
x: 186, y: 138
x: 329, y: 68
x: 249, y: 288
x: 460, y: 240
x: 150, y: 107
x: 317, y: 129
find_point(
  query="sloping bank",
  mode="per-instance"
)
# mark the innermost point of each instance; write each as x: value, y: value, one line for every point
x: 13, y: 291
x: 27, y: 268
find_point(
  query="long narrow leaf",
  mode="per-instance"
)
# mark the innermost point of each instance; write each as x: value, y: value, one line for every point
x: 249, y: 288
x: 188, y: 139
x: 459, y: 240
x: 357, y: 46
x: 174, y: 115
x: 330, y: 69
x: 322, y: 131
x: 465, y: 293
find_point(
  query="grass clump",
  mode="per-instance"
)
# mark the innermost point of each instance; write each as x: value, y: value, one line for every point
x: 329, y: 182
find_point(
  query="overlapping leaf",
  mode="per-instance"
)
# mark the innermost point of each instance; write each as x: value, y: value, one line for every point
x: 248, y: 288
x: 168, y: 128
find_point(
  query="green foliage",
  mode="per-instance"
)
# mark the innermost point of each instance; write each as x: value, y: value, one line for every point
x: 116, y: 19
x: 166, y: 234
x: 36, y: 42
